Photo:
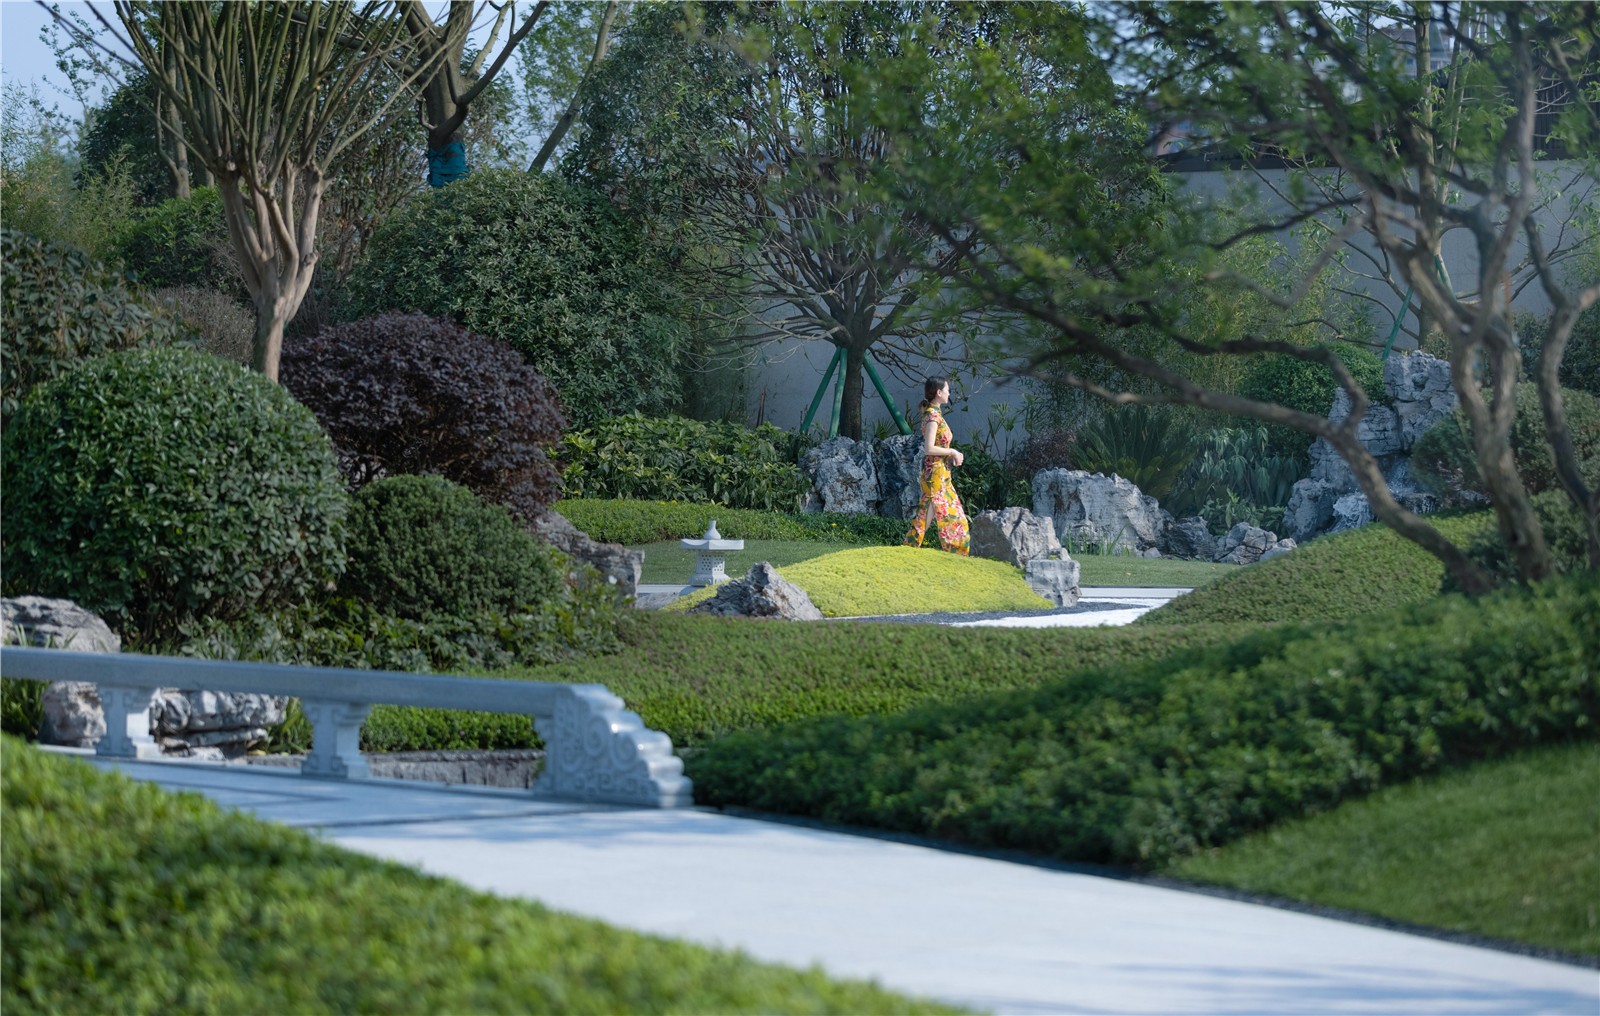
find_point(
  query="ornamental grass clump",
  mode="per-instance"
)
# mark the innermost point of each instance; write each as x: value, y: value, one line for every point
x: 158, y: 486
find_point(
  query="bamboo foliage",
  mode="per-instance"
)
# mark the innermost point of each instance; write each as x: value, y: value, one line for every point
x: 266, y: 96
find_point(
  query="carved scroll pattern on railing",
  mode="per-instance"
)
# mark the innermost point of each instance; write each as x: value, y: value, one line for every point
x: 598, y: 751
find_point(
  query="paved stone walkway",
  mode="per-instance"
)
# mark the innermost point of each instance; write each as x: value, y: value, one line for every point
x: 1012, y: 938
x: 1097, y: 606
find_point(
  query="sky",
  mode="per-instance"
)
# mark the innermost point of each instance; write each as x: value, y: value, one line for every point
x: 25, y: 59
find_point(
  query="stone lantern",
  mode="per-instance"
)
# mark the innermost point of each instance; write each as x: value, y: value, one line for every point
x: 708, y: 560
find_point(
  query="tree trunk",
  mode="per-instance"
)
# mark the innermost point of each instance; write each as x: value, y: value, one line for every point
x: 850, y: 411
x: 268, y: 348
x: 447, y: 158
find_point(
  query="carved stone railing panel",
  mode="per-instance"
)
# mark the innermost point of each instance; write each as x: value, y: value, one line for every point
x: 595, y: 749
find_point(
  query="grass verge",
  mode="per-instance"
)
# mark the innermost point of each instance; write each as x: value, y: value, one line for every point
x: 1126, y: 570
x: 865, y: 581
x: 1344, y: 575
x: 1508, y: 847
x: 119, y: 897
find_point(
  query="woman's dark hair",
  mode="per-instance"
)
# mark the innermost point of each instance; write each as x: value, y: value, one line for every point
x: 930, y: 388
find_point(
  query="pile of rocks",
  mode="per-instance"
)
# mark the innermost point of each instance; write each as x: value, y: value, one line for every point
x: 186, y: 723
x: 1019, y: 537
x: 1330, y: 500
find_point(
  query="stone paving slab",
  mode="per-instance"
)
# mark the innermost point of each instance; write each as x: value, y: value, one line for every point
x: 1014, y: 938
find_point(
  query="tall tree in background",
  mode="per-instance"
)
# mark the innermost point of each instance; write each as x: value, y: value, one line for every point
x: 268, y: 96
x: 453, y: 84
x: 1384, y: 149
x: 735, y: 126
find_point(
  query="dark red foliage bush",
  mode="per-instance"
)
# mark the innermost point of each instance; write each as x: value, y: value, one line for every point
x: 407, y: 393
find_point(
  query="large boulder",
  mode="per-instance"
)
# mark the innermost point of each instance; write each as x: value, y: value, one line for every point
x: 1091, y: 508
x: 1013, y: 535
x: 1310, y: 509
x: 72, y: 714
x: 844, y: 477
x: 898, y: 461
x: 1190, y: 539
x: 621, y: 566
x: 1245, y: 544
x: 763, y: 593
x: 1422, y: 391
x: 185, y: 722
x: 1054, y: 578
x: 1351, y: 511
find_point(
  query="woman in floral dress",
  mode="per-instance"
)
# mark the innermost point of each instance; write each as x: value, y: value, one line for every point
x: 941, y: 506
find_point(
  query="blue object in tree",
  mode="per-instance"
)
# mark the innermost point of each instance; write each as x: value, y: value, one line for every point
x: 447, y: 164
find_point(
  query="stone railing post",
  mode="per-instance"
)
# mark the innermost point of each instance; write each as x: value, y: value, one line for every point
x: 127, y: 712
x: 596, y: 750
x: 335, y: 739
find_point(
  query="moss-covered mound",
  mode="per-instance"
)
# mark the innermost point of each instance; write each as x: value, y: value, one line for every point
x: 120, y: 897
x: 866, y: 581
x: 1345, y: 575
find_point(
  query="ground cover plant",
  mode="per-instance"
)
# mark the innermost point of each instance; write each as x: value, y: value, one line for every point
x: 696, y: 678
x: 1506, y: 847
x: 1140, y: 764
x: 186, y: 907
x: 864, y: 581
x: 1338, y: 576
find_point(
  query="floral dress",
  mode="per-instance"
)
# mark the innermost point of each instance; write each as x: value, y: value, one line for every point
x: 949, y: 519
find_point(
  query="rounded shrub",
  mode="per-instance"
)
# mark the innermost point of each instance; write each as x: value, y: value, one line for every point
x: 58, y: 307
x: 154, y: 486
x: 182, y: 242
x: 406, y: 393
x: 422, y: 546
x: 1580, y: 365
x: 1308, y: 387
x: 1444, y: 458
x: 547, y: 267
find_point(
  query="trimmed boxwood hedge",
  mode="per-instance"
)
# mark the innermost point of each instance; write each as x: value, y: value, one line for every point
x: 640, y: 522
x: 1339, y: 576
x: 120, y: 897
x: 1140, y: 764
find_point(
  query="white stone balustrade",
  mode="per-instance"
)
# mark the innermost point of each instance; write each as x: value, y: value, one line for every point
x: 595, y: 750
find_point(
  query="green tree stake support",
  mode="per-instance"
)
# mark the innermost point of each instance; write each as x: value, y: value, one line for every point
x: 883, y: 393
x: 816, y: 400
x: 838, y: 399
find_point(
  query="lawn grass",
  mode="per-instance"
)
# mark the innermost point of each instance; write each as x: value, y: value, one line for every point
x: 873, y: 581
x: 120, y: 897
x: 1126, y: 570
x: 669, y: 564
x: 1345, y: 575
x: 1508, y: 847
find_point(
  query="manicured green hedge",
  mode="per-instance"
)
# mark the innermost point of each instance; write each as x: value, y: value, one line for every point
x: 639, y: 522
x: 1339, y: 576
x: 119, y: 897
x: 1138, y: 764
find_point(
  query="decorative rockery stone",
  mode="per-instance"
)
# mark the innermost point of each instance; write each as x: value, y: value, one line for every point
x: 1013, y: 535
x: 763, y: 593
x: 1054, y: 578
x: 1190, y: 539
x: 898, y: 461
x: 72, y: 714
x: 1244, y: 544
x: 1091, y: 508
x: 844, y: 477
x: 621, y: 566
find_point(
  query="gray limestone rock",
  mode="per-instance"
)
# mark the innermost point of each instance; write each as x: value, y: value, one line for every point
x: 1351, y: 511
x: 72, y: 714
x: 898, y: 461
x: 1244, y: 544
x: 844, y: 475
x: 1054, y: 578
x: 1422, y: 391
x: 1098, y: 509
x: 1278, y: 549
x: 763, y: 593
x: 194, y: 719
x: 1310, y: 509
x: 621, y: 566
x: 1190, y: 539
x: 1013, y: 535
